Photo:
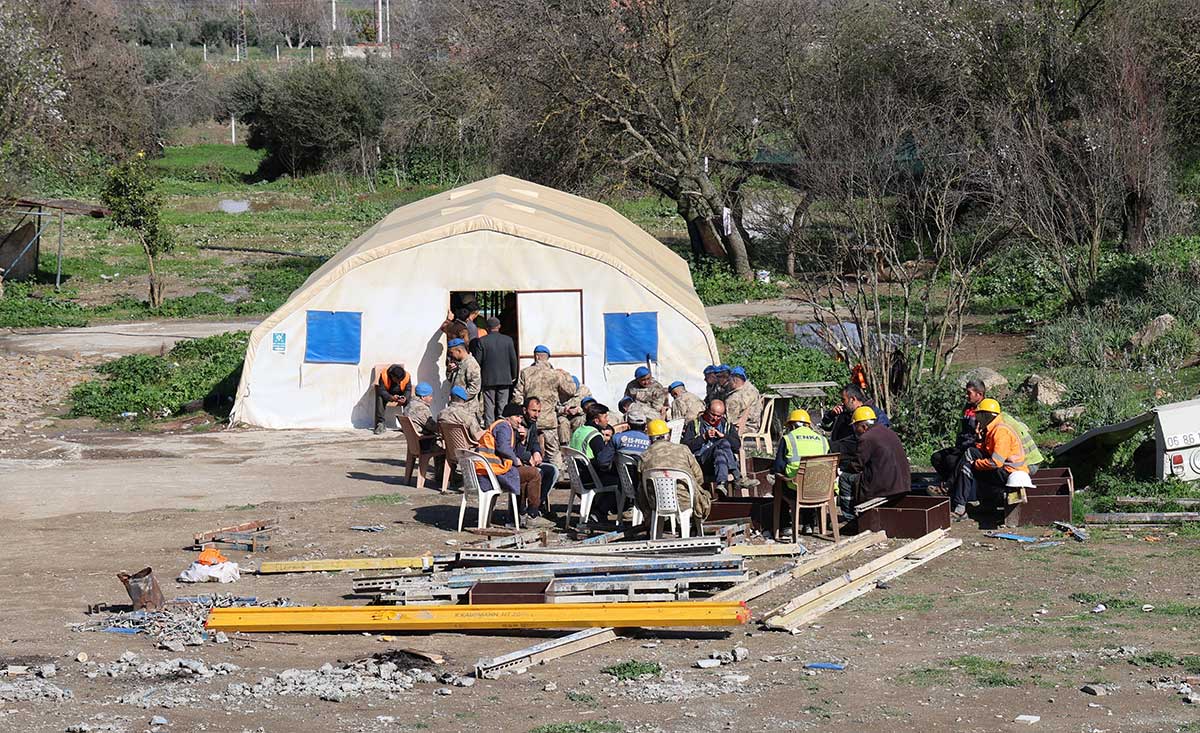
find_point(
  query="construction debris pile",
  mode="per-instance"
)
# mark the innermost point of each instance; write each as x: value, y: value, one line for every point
x: 384, y: 675
x: 180, y: 623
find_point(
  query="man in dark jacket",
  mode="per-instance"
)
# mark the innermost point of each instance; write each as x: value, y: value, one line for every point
x: 948, y: 462
x: 837, y: 422
x: 532, y: 452
x: 497, y: 357
x: 879, y: 466
x: 715, y: 443
x: 392, y: 389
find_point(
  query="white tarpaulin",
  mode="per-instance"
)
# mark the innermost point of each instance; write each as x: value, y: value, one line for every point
x: 382, y: 298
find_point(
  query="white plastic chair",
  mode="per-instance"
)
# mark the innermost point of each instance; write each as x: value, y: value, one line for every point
x: 627, y: 469
x: 468, y: 461
x: 577, y: 463
x: 666, y: 502
x: 762, y: 438
x: 676, y: 427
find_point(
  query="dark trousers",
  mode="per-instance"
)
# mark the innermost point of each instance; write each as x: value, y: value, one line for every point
x: 954, y: 468
x: 718, y: 461
x: 986, y: 485
x: 494, y: 400
x: 381, y: 402
x: 549, y: 473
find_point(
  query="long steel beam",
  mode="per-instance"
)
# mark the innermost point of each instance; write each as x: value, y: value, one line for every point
x: 500, y: 616
x: 423, y: 562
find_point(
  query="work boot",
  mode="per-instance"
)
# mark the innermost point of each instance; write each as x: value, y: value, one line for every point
x: 748, y: 483
x: 959, y: 513
x: 380, y: 429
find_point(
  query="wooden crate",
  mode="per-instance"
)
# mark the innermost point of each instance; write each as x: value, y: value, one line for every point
x: 907, y: 517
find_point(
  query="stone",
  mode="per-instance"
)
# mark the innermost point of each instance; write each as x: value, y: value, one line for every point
x: 463, y: 682
x: 1152, y: 331
x: 1027, y: 719
x: 550, y: 687
x: 740, y: 654
x: 171, y: 645
x: 1044, y: 390
x: 158, y: 720
x: 993, y: 381
x: 220, y: 638
x: 735, y: 679
x: 1094, y: 690
x: 1067, y: 415
x: 708, y: 663
x: 443, y: 691
x: 47, y: 671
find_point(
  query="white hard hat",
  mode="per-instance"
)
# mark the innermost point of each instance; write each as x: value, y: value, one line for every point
x: 1019, y: 480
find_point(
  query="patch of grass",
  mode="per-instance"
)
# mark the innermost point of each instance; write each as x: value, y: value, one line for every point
x: 982, y: 671
x: 587, y: 726
x: 582, y: 698
x: 384, y: 499
x: 916, y: 602
x: 716, y: 284
x: 772, y: 356
x: 241, y: 508
x: 1163, y: 660
x: 633, y: 669
x: 1167, y: 608
x: 159, y: 386
x: 208, y: 163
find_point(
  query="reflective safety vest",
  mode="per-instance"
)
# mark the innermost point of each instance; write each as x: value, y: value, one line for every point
x: 581, y: 440
x: 800, y: 444
x: 386, y: 380
x: 487, y: 449
x: 1028, y: 444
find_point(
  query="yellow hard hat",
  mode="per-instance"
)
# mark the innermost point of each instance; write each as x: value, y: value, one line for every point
x: 862, y: 413
x: 988, y: 405
x: 800, y: 416
x: 657, y: 428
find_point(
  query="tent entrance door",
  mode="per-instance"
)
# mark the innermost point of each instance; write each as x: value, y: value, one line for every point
x: 553, y: 318
x: 499, y: 303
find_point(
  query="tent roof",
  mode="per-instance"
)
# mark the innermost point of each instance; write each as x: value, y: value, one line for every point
x: 523, y: 209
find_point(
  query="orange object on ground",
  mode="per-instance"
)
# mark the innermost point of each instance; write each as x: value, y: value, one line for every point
x: 211, y: 556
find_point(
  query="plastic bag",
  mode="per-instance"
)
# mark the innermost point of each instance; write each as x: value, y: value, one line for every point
x: 224, y: 572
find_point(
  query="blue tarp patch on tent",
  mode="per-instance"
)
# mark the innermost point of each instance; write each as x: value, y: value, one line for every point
x: 630, y: 338
x: 333, y: 337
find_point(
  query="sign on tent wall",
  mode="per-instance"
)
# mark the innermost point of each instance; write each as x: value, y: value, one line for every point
x: 553, y: 318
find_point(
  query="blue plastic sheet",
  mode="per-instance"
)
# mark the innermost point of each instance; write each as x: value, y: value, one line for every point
x: 630, y: 338
x: 333, y: 337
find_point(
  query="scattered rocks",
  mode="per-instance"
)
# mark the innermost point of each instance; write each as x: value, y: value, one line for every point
x: 376, y: 677
x: 1152, y: 331
x: 740, y: 654
x: 1067, y: 415
x: 443, y: 691
x: 1098, y: 690
x: 1044, y: 390
x: 995, y: 382
x: 158, y: 720
x: 550, y: 687
x: 28, y: 689
x: 47, y: 671
x: 708, y: 663
x: 178, y: 668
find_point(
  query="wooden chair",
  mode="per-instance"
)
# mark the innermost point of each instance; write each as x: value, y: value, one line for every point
x: 471, y: 463
x: 760, y: 440
x: 577, y: 466
x: 627, y: 472
x: 816, y: 488
x: 661, y: 482
x: 454, y: 439
x: 416, y: 457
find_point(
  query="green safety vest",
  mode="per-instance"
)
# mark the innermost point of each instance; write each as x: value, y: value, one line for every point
x: 581, y: 440
x: 802, y: 443
x: 1028, y: 444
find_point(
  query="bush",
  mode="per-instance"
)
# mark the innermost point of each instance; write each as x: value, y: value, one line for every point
x: 158, y: 386
x: 1019, y: 281
x: 771, y: 356
x: 715, y: 283
x: 926, y: 417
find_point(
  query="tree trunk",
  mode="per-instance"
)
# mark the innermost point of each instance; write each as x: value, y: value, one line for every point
x: 701, y: 232
x: 156, y: 286
x: 793, y: 239
x: 735, y: 246
x: 1136, y: 220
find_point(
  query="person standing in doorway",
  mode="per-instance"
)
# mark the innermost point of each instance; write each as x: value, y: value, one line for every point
x: 497, y: 356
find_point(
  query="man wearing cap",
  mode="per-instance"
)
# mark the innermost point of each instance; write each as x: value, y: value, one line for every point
x: 497, y: 357
x: 837, y: 422
x: 711, y: 388
x: 633, y: 441
x: 466, y: 374
x: 551, y: 386
x: 715, y: 442
x: 684, y: 404
x: 646, y: 389
x: 589, y: 440
x: 723, y: 387
x: 879, y: 466
x: 800, y: 442
x: 421, y: 415
x: 663, y: 454
x: 998, y: 454
x: 743, y: 406
x: 460, y: 412
x: 393, y: 388
x: 570, y: 412
x: 498, y: 445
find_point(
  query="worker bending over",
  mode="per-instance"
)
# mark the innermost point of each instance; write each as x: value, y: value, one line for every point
x: 744, y: 404
x: 684, y: 404
x: 663, y: 454
x: 460, y: 412
x: 393, y: 388
x: 633, y: 441
x: 878, y: 468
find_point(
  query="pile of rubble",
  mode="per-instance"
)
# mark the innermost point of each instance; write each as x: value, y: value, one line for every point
x: 380, y: 676
x: 180, y: 623
x: 129, y: 664
x: 27, y: 689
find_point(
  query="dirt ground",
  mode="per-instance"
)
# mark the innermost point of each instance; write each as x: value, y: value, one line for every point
x: 967, y: 642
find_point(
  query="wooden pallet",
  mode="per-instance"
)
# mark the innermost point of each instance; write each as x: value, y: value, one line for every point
x: 249, y: 536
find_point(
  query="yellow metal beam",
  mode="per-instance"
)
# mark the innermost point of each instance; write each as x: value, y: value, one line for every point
x: 366, y: 563
x: 500, y: 616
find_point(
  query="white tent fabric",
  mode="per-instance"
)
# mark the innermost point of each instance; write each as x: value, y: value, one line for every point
x: 571, y: 261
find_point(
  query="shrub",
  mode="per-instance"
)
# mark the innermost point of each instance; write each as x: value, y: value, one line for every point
x: 715, y: 283
x: 158, y: 386
x: 771, y: 356
x: 633, y: 669
x: 926, y: 417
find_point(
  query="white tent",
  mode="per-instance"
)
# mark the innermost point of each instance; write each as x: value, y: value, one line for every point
x: 595, y: 288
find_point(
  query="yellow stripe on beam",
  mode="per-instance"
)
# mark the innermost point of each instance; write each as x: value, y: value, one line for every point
x: 366, y: 563
x: 499, y: 616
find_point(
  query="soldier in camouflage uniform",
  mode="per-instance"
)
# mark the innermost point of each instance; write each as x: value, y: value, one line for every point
x: 570, y: 413
x: 743, y: 406
x: 646, y: 389
x: 662, y: 453
x: 466, y: 375
x: 460, y: 412
x: 422, y: 418
x: 684, y: 404
x: 720, y: 388
x: 551, y: 386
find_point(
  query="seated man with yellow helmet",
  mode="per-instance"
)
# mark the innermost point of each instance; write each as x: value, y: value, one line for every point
x: 800, y: 442
x: 879, y: 466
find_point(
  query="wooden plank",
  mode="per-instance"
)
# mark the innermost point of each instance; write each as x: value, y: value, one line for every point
x: 1133, y: 500
x: 1142, y: 517
x: 518, y: 541
x: 772, y: 550
x: 764, y: 584
x: 840, y: 591
x: 544, y: 652
x: 252, y: 526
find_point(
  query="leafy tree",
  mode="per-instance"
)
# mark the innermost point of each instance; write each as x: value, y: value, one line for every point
x: 129, y: 192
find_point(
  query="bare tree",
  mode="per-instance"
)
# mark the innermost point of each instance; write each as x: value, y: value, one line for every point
x: 298, y: 22
x: 656, y: 76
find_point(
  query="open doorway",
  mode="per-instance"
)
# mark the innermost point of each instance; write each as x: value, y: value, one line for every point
x: 487, y: 303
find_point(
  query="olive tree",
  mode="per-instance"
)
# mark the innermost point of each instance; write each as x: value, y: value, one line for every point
x: 129, y: 193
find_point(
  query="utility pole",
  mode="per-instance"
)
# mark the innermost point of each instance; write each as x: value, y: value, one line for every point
x: 387, y: 21
x: 333, y: 12
x: 379, y: 21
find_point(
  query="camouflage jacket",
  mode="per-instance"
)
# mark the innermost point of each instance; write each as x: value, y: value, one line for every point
x: 665, y: 454
x: 686, y: 406
x: 467, y: 376
x: 655, y: 396
x: 462, y: 413
x: 422, y: 417
x: 549, y: 385
x: 572, y: 404
x: 745, y: 401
